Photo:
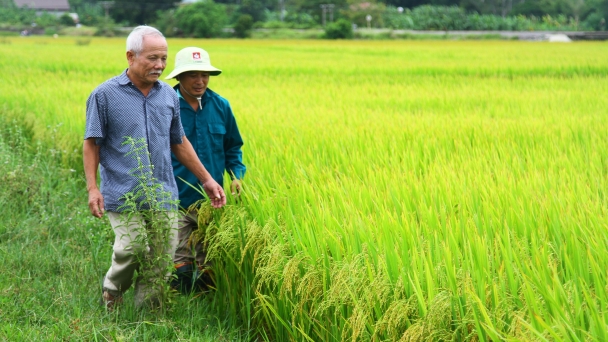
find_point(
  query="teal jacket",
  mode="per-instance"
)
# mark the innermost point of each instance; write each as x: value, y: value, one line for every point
x: 215, y: 137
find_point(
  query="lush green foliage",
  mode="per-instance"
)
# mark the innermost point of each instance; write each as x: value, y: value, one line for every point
x: 358, y: 13
x: 439, y: 17
x: 254, y: 8
x: 167, y: 23
x: 13, y: 15
x: 243, y: 26
x: 26, y: 17
x: 341, y: 29
x: 138, y: 12
x: 291, y: 20
x: 66, y: 20
x: 89, y: 14
x: 207, y: 19
x: 395, y: 190
x: 455, y: 18
x: 395, y: 20
x: 202, y: 19
x: 107, y: 27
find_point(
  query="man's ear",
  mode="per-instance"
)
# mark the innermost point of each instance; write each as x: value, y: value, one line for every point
x: 130, y: 57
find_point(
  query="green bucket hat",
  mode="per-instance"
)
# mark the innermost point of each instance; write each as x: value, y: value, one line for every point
x: 193, y: 59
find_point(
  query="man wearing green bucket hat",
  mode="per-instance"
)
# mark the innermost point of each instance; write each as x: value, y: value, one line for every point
x: 210, y: 126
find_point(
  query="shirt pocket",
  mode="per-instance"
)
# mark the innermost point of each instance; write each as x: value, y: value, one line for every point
x: 160, y: 120
x: 217, y: 133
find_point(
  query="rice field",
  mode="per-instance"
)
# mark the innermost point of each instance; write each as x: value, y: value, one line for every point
x: 396, y: 191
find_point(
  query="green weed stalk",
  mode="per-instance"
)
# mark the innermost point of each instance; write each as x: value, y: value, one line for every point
x: 152, y: 203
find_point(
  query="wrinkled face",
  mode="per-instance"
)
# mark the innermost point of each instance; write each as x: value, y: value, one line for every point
x: 194, y: 82
x: 150, y: 63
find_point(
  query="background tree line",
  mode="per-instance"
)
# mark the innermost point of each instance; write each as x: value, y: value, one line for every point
x: 209, y: 18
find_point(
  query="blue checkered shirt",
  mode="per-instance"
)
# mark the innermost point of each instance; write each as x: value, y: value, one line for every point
x: 117, y: 109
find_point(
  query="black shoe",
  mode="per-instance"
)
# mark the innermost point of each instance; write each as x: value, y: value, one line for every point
x: 188, y: 279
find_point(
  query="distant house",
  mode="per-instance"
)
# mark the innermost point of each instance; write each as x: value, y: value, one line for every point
x: 57, y: 7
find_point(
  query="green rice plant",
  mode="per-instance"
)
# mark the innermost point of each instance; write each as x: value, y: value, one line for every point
x: 396, y: 190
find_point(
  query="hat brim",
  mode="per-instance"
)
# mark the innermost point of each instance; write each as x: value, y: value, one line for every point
x: 213, y: 71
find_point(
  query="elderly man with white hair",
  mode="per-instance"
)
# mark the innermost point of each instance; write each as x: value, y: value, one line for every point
x: 136, y: 104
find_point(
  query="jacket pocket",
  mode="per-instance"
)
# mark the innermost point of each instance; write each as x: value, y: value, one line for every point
x: 217, y: 132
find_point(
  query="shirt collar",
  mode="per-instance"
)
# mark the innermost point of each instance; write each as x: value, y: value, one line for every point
x: 123, y: 79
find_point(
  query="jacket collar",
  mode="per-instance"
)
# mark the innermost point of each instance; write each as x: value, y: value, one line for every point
x: 206, y: 96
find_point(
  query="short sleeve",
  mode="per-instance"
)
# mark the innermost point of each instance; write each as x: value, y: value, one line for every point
x: 96, y: 116
x: 177, y: 130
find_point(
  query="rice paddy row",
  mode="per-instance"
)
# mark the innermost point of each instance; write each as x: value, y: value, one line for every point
x: 396, y: 190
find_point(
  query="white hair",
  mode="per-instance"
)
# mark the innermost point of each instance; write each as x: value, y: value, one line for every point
x: 135, y: 40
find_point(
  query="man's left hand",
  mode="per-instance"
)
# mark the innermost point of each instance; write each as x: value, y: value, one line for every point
x: 215, y: 193
x: 235, y: 187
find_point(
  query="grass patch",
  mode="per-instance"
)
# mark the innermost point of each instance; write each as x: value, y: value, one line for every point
x: 285, y: 33
x: 9, y: 34
x: 486, y: 36
x: 83, y: 42
x: 78, y: 31
x: 399, y: 35
x: 53, y: 255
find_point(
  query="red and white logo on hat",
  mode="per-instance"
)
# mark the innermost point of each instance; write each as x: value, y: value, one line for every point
x: 196, y: 56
